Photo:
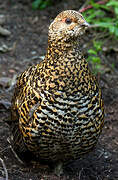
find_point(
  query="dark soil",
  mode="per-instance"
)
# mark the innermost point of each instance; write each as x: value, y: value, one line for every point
x: 25, y: 46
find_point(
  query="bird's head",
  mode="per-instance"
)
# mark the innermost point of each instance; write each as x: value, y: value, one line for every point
x: 68, y: 25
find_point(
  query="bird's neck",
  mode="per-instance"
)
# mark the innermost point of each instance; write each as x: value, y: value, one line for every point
x: 64, y: 64
x: 62, y: 48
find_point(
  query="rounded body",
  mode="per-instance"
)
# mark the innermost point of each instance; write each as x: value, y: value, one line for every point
x: 57, y: 108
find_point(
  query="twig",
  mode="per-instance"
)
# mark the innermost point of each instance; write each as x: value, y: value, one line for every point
x: 80, y: 173
x: 5, y: 170
x: 84, y: 5
x: 90, y: 6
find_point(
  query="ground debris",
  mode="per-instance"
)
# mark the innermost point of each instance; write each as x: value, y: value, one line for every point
x: 5, y: 82
x: 8, y: 83
x: 4, y: 167
x: 4, y: 104
x: 4, y: 32
x: 4, y: 48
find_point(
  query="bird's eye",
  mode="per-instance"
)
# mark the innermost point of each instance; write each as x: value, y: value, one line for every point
x: 68, y: 21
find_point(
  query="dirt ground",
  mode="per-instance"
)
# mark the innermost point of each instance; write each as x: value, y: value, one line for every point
x: 26, y: 45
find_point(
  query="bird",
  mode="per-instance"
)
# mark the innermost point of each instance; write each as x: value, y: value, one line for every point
x: 57, y: 111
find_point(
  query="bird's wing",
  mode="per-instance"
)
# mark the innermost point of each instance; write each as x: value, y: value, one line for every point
x: 23, y: 91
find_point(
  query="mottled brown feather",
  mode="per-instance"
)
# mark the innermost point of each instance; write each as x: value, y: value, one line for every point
x: 57, y: 108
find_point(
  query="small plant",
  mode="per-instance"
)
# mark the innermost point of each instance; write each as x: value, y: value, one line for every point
x: 104, y: 16
x: 41, y: 4
x: 94, y: 58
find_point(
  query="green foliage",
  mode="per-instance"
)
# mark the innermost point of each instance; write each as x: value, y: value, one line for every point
x: 41, y: 4
x: 104, y: 16
x: 94, y: 58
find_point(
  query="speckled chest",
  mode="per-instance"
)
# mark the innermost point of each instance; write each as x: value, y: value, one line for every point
x: 64, y: 123
x: 62, y: 110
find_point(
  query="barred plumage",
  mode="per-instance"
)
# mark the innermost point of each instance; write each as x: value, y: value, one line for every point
x: 57, y: 108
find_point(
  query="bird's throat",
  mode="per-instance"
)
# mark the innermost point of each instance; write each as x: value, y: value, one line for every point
x: 60, y: 48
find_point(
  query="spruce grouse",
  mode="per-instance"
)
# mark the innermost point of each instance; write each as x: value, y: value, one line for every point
x: 57, y: 108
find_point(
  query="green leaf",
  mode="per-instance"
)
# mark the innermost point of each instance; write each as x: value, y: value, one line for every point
x: 104, y: 16
x: 112, y: 29
x: 98, y: 66
x: 96, y: 60
x: 97, y: 45
x: 116, y: 32
x: 95, y: 5
x: 41, y: 4
x: 104, y: 7
x: 36, y: 4
x: 91, y: 51
x: 104, y: 24
x: 116, y: 10
x: 112, y: 3
x: 113, y: 65
x: 91, y: 15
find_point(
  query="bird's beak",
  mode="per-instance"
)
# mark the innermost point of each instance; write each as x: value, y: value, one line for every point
x: 85, y: 24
